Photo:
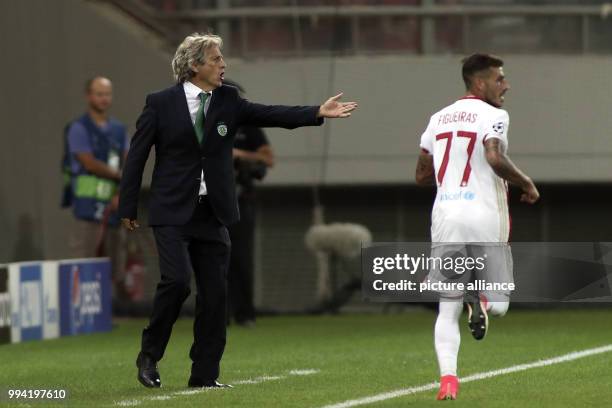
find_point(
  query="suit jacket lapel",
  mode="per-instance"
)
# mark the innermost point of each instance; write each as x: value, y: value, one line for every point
x: 182, y: 113
x: 210, y: 121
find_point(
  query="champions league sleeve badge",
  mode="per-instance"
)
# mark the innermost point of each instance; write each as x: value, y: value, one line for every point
x: 498, y: 127
x: 221, y: 129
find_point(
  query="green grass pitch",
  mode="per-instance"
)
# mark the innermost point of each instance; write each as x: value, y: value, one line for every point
x: 348, y: 357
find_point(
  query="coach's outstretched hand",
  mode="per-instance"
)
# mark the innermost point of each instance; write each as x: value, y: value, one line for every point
x: 333, y: 108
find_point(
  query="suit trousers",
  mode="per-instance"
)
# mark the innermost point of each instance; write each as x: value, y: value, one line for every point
x: 240, y: 276
x: 201, y: 246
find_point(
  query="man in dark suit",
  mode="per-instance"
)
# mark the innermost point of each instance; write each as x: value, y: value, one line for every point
x: 192, y: 126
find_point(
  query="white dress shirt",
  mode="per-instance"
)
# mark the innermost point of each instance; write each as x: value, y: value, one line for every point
x: 192, y: 93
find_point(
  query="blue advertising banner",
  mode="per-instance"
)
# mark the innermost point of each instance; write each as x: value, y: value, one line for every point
x: 34, y: 301
x: 31, y: 302
x: 85, y: 296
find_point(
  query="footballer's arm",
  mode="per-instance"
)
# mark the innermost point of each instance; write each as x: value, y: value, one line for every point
x: 425, y: 174
x: 504, y: 168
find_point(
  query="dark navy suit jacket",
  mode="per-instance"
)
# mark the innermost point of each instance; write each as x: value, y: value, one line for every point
x: 179, y: 159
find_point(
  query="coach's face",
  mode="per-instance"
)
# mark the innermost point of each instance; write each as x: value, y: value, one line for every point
x: 495, y: 87
x: 210, y: 74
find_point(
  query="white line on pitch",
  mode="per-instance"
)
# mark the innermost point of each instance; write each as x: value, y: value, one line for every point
x: 474, y: 377
x: 128, y: 403
x: 256, y: 380
x: 303, y: 372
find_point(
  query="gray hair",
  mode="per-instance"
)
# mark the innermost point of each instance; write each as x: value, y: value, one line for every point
x: 192, y: 51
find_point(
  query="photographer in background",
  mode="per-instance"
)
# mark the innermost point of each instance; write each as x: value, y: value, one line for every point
x: 253, y: 155
x: 95, y: 148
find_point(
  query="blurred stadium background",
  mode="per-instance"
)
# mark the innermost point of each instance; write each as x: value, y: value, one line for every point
x: 401, y: 60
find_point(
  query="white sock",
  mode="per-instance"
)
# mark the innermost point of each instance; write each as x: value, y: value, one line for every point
x: 447, y: 337
x: 498, y: 308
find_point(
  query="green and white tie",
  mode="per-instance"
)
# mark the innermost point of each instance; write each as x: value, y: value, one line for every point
x: 199, y: 122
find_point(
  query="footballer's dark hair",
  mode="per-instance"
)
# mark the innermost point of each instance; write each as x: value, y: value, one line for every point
x: 477, y: 63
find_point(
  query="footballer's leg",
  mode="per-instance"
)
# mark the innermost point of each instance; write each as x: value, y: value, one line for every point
x: 497, y: 308
x: 481, y: 307
x: 498, y: 270
x: 478, y: 318
x: 499, y: 301
x: 449, y: 387
x: 447, y: 340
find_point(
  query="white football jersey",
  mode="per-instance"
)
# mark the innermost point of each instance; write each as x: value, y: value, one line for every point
x: 472, y: 201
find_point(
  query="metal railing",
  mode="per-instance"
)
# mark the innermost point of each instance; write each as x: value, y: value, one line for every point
x: 295, y: 31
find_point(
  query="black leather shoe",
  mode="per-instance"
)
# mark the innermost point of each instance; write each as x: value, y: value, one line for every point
x: 198, y: 383
x: 147, y: 371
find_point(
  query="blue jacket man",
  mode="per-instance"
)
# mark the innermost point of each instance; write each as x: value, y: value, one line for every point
x: 96, y: 146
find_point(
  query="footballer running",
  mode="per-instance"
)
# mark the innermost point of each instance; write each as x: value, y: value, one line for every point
x: 464, y: 152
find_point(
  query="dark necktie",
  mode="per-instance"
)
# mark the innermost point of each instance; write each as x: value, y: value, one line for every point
x: 199, y: 122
